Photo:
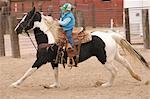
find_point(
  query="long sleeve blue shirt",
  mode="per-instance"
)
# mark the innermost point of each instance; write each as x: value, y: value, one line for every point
x: 67, y: 21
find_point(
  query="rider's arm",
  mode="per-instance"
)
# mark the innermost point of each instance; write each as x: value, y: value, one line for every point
x: 64, y: 22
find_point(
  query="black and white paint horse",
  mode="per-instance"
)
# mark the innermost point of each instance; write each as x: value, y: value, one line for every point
x: 102, y: 45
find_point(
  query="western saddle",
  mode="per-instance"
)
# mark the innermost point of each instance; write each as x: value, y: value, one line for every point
x: 78, y: 35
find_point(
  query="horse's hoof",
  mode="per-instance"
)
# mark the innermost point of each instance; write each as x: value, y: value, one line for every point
x: 137, y: 77
x: 106, y: 84
x: 14, y: 85
x: 54, y: 86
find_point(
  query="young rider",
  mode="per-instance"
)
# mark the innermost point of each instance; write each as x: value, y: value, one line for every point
x: 67, y: 21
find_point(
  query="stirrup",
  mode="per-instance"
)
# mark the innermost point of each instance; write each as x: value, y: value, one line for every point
x: 69, y: 47
x: 70, y: 62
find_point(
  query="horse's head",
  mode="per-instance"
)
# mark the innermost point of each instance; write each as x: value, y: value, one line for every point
x: 27, y: 21
x: 35, y: 20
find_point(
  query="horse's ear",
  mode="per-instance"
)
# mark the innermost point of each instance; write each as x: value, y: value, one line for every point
x: 33, y: 9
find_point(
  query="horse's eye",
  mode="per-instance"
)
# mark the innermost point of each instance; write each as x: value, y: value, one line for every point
x: 23, y: 23
x: 28, y: 24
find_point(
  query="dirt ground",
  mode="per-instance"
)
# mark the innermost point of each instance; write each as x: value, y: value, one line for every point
x: 77, y: 83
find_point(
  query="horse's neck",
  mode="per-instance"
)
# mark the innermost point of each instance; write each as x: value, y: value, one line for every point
x: 52, y: 26
x: 47, y: 28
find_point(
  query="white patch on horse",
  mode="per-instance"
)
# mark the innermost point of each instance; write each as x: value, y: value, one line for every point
x: 20, y: 22
x: 109, y: 42
x: 43, y: 27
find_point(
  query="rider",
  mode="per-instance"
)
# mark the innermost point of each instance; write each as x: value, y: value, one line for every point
x: 67, y: 21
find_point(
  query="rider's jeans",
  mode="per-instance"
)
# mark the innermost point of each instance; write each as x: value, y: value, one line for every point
x: 69, y: 36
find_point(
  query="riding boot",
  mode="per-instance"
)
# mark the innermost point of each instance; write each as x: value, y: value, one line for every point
x: 70, y: 47
x: 77, y: 59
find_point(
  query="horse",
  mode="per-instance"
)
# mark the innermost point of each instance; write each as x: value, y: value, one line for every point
x: 104, y: 46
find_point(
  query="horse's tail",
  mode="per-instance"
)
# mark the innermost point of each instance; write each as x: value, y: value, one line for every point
x: 126, y: 45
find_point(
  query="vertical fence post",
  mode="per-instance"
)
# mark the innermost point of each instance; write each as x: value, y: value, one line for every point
x: 4, y: 19
x: 111, y: 23
x: 2, y: 45
x: 79, y: 18
x: 127, y: 25
x: 50, y: 10
x: 93, y: 16
x: 146, y: 31
x: 14, y: 38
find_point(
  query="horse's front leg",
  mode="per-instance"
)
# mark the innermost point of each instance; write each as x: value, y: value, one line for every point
x: 56, y: 82
x: 28, y: 73
x: 37, y: 64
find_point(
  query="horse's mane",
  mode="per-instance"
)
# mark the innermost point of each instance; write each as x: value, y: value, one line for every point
x: 53, y: 26
x: 56, y: 31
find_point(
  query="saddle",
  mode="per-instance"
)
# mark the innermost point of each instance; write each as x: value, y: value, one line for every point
x: 79, y: 36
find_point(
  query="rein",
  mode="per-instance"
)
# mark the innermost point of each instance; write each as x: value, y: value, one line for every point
x: 31, y: 40
x: 42, y: 45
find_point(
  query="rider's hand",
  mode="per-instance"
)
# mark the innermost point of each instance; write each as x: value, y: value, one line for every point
x: 56, y: 19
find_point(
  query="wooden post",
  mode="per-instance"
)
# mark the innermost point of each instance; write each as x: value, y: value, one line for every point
x: 14, y: 38
x: 146, y: 31
x: 2, y: 45
x: 79, y: 19
x: 50, y: 10
x: 93, y: 16
x: 127, y: 25
x: 3, y: 20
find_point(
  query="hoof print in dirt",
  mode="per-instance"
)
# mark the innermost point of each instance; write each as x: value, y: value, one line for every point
x: 47, y: 87
x: 147, y: 82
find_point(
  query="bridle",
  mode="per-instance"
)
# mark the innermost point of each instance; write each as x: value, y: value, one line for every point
x: 39, y: 46
x: 28, y: 24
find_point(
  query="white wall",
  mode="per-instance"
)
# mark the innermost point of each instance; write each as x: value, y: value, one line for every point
x: 136, y: 3
x: 135, y: 18
x: 146, y: 3
x: 132, y: 3
x: 135, y: 14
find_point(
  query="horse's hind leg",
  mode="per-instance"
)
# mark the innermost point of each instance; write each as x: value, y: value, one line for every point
x: 113, y: 71
x: 127, y: 65
x: 56, y: 82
